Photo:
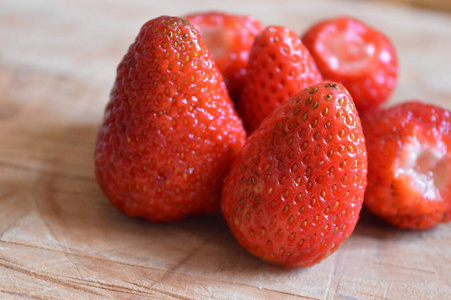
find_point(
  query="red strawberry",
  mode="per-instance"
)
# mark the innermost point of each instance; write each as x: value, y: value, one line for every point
x: 294, y: 193
x: 409, y: 174
x: 279, y: 67
x: 360, y: 57
x: 229, y: 38
x: 170, y: 132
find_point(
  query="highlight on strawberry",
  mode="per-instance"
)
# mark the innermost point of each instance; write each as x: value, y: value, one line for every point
x: 362, y: 58
x: 409, y: 170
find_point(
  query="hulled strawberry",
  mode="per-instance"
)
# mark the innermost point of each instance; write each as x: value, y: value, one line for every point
x: 294, y: 193
x: 170, y: 131
x: 409, y: 173
x: 229, y: 38
x: 360, y: 57
x: 279, y: 66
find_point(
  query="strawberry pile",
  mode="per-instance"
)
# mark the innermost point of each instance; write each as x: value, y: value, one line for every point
x: 284, y: 134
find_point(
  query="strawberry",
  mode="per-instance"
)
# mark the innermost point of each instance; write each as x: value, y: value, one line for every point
x: 409, y: 174
x: 294, y: 193
x: 360, y: 57
x: 279, y: 66
x: 229, y: 38
x: 169, y: 132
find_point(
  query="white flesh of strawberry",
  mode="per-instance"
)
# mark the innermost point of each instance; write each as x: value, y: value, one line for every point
x: 346, y: 51
x: 426, y: 167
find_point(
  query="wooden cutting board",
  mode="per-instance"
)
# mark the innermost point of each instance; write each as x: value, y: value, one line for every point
x: 60, y: 238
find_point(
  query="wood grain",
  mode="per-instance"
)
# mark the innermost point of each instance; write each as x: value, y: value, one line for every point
x: 61, y: 239
x: 439, y: 5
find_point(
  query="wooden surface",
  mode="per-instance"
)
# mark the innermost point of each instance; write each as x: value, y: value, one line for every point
x: 61, y: 239
x: 440, y: 5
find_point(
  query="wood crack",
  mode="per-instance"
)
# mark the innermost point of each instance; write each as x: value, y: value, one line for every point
x: 80, y: 284
x: 14, y: 267
x: 290, y: 294
x: 152, y: 286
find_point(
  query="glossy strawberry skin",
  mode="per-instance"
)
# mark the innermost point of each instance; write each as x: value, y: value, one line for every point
x: 279, y: 67
x: 169, y: 131
x: 408, y: 145
x: 229, y: 37
x: 294, y: 193
x: 362, y: 58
